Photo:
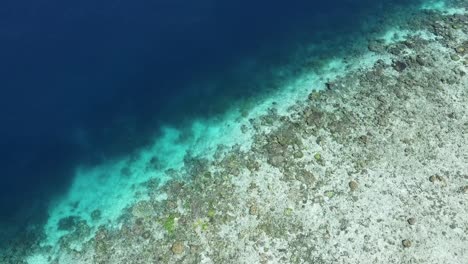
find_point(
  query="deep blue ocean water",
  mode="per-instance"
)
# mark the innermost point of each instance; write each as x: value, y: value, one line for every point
x: 85, y: 81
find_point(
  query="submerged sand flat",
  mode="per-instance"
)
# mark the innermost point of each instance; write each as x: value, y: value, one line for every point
x: 371, y: 169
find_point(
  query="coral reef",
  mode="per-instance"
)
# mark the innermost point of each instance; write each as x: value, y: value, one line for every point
x: 371, y: 169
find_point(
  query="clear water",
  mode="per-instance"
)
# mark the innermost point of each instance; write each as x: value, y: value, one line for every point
x: 93, y: 90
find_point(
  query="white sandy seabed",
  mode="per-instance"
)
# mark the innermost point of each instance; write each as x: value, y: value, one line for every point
x: 103, y: 188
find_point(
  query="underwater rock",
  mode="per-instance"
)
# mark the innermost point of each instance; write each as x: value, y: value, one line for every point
x: 434, y: 178
x: 406, y: 243
x: 313, y: 117
x: 454, y: 57
x: 306, y: 177
x: 178, y: 248
x: 465, y: 189
x: 460, y: 50
x: 96, y: 215
x: 68, y: 223
x: 396, y: 49
x: 253, y: 210
x: 298, y: 154
x: 287, y: 137
x: 376, y: 46
x: 195, y: 165
x: 146, y: 234
x: 233, y: 164
x: 244, y: 129
x: 421, y: 60
x: 399, y: 66
x: 152, y: 184
x: 313, y: 95
x: 252, y: 165
x: 154, y: 164
x: 363, y: 139
x: 276, y: 161
x: 142, y: 209
x: 126, y: 172
x: 353, y: 185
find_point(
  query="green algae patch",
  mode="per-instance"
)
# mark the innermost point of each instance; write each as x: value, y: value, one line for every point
x: 200, y: 223
x: 329, y: 194
x: 211, y: 213
x: 169, y: 224
x: 318, y: 157
x: 288, y: 212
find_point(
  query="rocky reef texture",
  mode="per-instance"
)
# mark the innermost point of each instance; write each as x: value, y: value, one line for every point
x: 372, y: 169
